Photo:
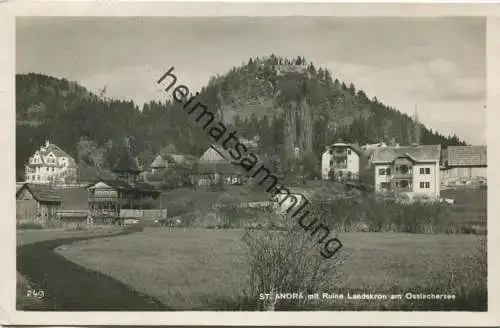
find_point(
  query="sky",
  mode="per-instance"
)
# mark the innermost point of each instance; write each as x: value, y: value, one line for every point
x: 437, y: 65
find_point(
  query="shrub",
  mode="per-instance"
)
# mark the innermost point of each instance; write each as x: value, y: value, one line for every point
x: 29, y: 225
x: 285, y: 261
x: 381, y: 215
x: 179, y: 208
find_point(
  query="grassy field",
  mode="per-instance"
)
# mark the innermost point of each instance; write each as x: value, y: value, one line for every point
x: 470, y: 204
x: 206, y: 269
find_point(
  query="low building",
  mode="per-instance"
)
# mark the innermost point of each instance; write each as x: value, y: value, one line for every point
x: 410, y: 170
x: 51, y: 165
x: 464, y: 165
x: 206, y: 174
x: 36, y: 203
x: 342, y: 161
x: 216, y: 166
x: 164, y: 162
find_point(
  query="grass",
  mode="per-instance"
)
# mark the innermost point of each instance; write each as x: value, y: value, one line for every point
x: 178, y: 201
x: 470, y: 204
x: 199, y: 269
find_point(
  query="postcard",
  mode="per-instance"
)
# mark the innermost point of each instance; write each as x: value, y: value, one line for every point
x: 188, y: 163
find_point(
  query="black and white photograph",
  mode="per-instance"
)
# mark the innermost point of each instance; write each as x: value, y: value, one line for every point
x: 251, y: 163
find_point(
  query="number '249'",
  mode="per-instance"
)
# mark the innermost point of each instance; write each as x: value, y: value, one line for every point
x: 36, y: 293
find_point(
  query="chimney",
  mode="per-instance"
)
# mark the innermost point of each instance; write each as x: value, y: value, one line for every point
x: 47, y: 143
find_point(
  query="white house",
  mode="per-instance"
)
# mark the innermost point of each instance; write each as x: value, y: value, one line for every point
x: 50, y: 164
x: 342, y: 160
x: 410, y: 170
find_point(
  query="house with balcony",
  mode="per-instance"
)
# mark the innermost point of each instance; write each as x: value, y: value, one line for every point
x: 342, y: 161
x: 409, y: 170
x: 51, y: 165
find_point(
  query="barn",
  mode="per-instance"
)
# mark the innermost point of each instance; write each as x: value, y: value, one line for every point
x: 464, y: 165
x: 37, y: 203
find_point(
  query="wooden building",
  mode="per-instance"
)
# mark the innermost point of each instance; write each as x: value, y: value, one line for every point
x: 464, y: 165
x: 37, y: 203
x: 107, y: 197
x: 216, y: 166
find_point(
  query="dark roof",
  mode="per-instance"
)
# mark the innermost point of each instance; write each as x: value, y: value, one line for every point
x: 121, y: 185
x: 126, y: 163
x: 466, y: 156
x: 357, y: 149
x: 421, y: 153
x: 42, y: 193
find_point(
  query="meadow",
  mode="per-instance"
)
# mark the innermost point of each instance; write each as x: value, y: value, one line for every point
x: 201, y: 269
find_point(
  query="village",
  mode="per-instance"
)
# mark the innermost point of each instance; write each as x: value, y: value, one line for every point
x: 414, y: 171
x: 299, y: 165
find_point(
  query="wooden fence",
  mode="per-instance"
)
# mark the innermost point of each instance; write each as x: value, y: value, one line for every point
x: 146, y: 214
x: 246, y: 204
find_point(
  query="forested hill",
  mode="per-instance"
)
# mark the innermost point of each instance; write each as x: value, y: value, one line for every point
x: 286, y: 102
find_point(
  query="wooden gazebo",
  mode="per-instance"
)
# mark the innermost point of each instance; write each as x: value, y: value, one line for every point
x: 107, y: 197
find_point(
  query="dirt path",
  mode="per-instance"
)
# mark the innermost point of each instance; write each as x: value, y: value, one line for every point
x: 70, y: 287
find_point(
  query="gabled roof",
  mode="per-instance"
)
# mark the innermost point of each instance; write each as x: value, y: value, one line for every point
x: 465, y: 156
x: 126, y: 163
x: 357, y: 149
x: 159, y: 162
x: 222, y: 152
x: 58, y: 152
x: 121, y: 185
x: 42, y: 193
x: 421, y: 153
x: 162, y: 160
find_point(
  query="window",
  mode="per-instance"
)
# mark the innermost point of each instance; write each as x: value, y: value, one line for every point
x: 427, y: 185
x: 404, y: 184
x: 38, y: 177
x: 388, y: 171
x: 421, y: 182
x: 330, y: 151
x: 404, y: 169
x: 425, y: 170
x: 384, y: 185
x: 381, y: 171
x: 331, y: 162
x: 348, y: 151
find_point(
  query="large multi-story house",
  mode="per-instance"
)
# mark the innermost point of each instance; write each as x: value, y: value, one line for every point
x: 50, y: 164
x: 410, y: 170
x: 342, y: 161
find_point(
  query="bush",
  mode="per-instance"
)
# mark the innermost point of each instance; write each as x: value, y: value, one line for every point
x: 380, y: 215
x: 179, y: 208
x: 288, y: 262
x: 29, y: 225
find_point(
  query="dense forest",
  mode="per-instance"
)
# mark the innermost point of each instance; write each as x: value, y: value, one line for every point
x: 287, y: 102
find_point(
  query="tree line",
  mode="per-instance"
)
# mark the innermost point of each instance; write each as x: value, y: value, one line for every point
x: 286, y: 102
